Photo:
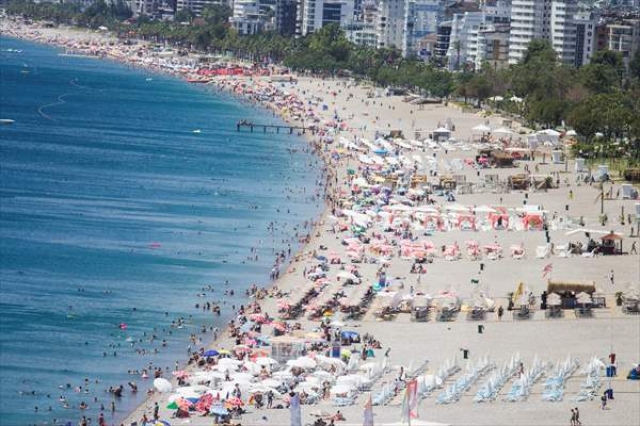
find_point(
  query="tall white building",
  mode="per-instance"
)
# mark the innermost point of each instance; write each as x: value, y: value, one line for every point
x: 463, y: 41
x: 480, y: 36
x: 196, y: 6
x: 391, y: 23
x: 551, y: 20
x: 246, y: 17
x: 318, y: 13
x: 421, y: 19
x: 562, y: 32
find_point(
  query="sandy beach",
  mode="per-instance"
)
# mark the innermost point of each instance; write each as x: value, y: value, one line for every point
x: 344, y: 113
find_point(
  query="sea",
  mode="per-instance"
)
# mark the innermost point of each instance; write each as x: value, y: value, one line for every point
x: 126, y: 198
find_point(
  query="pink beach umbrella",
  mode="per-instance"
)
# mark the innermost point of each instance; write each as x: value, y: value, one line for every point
x: 182, y: 374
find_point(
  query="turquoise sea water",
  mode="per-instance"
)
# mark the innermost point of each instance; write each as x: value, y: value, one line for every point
x: 112, y: 210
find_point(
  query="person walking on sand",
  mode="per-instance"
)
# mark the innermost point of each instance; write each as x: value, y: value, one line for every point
x: 573, y: 417
x: 611, y: 278
x: 500, y: 313
x: 578, y: 423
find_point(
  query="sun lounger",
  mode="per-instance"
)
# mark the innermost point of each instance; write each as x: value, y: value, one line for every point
x: 542, y: 252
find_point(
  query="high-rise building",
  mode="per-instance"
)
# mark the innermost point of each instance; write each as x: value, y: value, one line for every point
x: 286, y: 17
x: 246, y: 18
x: 145, y: 7
x: 390, y: 23
x: 421, y: 19
x: 318, y: 13
x: 197, y: 6
x: 363, y: 30
x: 622, y: 35
x: 443, y: 38
x: 551, y: 20
x: 586, y: 24
x: 463, y: 40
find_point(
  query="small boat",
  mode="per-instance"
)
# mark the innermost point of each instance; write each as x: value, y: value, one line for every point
x: 6, y: 121
x: 149, y: 79
x: 197, y: 131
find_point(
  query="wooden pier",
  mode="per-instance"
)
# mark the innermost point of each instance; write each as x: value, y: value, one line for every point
x: 264, y: 127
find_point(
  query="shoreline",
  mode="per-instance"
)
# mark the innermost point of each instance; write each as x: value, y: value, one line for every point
x: 438, y: 342
x: 229, y: 90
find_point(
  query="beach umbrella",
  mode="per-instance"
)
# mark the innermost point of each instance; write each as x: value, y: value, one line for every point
x: 271, y: 383
x: 229, y: 361
x: 266, y: 361
x: 303, y: 362
x: 259, y: 353
x: 181, y: 374
x: 241, y: 348
x: 234, y: 402
x: 211, y: 353
x: 219, y: 410
x: 183, y: 404
x: 162, y: 385
x: 502, y: 131
x: 481, y: 128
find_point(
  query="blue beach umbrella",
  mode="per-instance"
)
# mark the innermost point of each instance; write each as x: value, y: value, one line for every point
x: 219, y: 410
x: 211, y: 352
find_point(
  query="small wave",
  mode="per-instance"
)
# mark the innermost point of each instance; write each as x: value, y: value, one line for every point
x: 60, y: 101
x: 74, y: 82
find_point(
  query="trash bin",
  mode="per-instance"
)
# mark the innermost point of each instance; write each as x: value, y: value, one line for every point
x: 480, y: 329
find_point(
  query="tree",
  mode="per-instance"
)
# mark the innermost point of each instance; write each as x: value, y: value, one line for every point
x: 184, y: 15
x: 216, y: 14
x: 541, y: 50
x: 599, y: 77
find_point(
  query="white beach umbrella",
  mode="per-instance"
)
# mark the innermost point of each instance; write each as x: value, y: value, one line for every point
x: 272, y: 383
x: 303, y: 362
x: 481, y: 128
x: 338, y: 389
x: 484, y: 209
x: 266, y: 361
x: 502, y: 131
x: 457, y: 208
x: 229, y: 361
x: 162, y: 385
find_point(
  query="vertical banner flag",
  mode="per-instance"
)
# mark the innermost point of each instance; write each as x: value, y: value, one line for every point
x: 410, y: 401
x: 294, y: 409
x: 547, y: 270
x: 368, y: 413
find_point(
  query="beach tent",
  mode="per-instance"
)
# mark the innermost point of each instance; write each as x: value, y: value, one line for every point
x: 441, y: 134
x: 548, y: 136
